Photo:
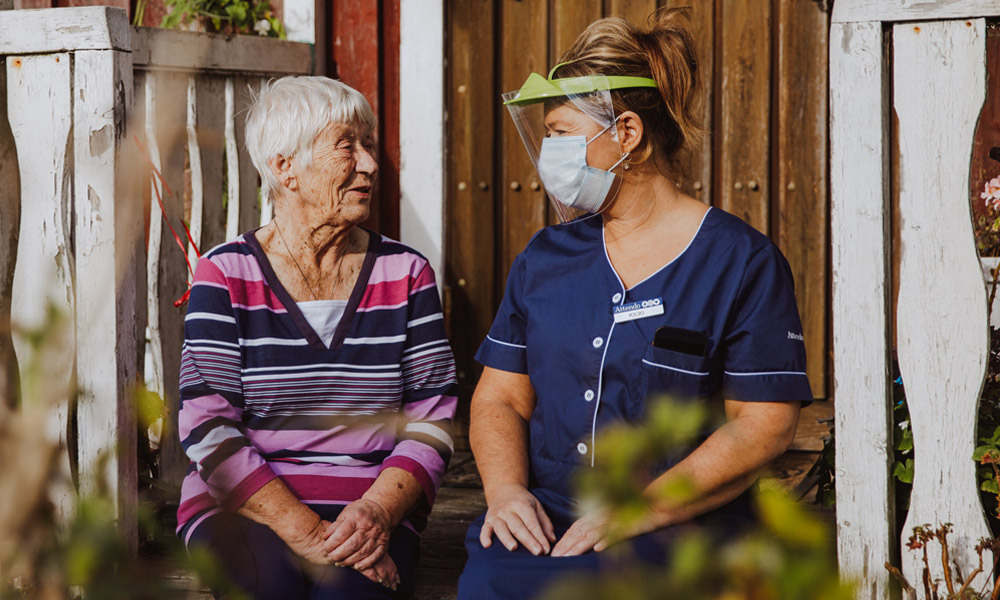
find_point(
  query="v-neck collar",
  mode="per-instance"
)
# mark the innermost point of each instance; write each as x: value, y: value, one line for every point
x: 374, y: 243
x: 663, y: 267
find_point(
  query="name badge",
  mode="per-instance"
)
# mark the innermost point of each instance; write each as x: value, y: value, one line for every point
x: 638, y: 310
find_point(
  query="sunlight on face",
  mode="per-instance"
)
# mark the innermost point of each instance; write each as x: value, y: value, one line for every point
x: 340, y: 178
x: 563, y: 119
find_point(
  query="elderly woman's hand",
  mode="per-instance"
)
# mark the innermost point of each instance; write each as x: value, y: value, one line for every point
x: 309, y: 544
x: 359, y: 537
x: 383, y: 572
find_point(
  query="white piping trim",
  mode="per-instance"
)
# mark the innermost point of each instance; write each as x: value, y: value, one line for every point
x: 600, y: 372
x: 730, y: 373
x: 699, y: 373
x: 505, y: 343
x: 600, y: 392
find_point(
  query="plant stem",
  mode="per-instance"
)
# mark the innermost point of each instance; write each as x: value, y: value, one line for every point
x: 994, y: 271
x: 943, y: 538
x: 911, y: 593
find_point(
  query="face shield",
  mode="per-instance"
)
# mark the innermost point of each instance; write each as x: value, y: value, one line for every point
x: 569, y: 128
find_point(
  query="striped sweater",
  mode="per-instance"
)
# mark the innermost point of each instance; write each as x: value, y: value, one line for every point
x: 263, y: 397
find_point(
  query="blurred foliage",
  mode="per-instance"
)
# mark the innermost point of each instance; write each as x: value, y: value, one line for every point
x: 790, y: 557
x: 223, y: 16
x: 48, y: 556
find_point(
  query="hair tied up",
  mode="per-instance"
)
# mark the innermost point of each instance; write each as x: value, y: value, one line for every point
x: 665, y: 52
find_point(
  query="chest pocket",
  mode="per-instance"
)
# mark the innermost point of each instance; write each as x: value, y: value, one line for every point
x: 681, y: 376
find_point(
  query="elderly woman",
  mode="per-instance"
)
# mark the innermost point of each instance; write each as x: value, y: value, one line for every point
x: 642, y: 291
x: 317, y: 385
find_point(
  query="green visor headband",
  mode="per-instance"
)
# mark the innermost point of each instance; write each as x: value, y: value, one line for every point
x: 538, y: 89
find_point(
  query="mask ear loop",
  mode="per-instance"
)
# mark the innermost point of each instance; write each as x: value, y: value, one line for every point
x: 600, y: 133
x: 623, y: 159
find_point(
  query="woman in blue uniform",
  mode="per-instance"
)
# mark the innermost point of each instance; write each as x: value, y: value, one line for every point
x: 643, y: 290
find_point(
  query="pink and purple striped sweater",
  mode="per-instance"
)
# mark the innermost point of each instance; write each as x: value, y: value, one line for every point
x: 263, y: 397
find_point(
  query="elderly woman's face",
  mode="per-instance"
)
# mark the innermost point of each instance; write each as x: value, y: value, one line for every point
x: 342, y: 172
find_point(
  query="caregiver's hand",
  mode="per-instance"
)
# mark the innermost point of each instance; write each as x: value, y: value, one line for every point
x: 514, y: 515
x: 589, y: 532
x: 595, y: 531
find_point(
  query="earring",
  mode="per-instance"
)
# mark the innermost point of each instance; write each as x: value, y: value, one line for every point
x: 627, y: 166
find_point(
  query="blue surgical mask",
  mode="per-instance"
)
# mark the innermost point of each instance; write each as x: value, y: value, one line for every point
x: 562, y: 166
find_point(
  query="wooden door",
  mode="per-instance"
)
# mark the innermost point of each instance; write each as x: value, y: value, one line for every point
x: 764, y: 70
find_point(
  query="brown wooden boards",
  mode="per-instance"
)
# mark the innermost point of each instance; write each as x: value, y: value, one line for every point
x: 470, y: 275
x: 637, y: 11
x: 745, y: 105
x: 695, y: 174
x: 523, y: 35
x: 799, y: 205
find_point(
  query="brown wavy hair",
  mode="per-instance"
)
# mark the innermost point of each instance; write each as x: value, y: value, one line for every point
x: 665, y: 52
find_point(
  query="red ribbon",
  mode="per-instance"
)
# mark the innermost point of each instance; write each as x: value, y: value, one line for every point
x: 163, y: 212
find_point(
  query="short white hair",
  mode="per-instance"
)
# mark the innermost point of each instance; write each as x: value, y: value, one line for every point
x: 288, y: 114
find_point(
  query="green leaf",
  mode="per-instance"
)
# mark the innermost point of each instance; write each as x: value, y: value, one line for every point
x: 905, y: 442
x: 980, y: 451
x: 903, y: 471
x: 991, y: 486
x: 237, y: 12
x: 788, y: 520
x: 994, y: 439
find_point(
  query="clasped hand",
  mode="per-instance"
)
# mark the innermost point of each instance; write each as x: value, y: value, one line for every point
x: 358, y: 539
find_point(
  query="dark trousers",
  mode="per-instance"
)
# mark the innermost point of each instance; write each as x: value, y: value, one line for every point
x: 496, y: 573
x: 258, y: 565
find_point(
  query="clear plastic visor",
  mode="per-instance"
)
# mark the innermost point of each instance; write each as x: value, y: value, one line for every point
x: 572, y: 140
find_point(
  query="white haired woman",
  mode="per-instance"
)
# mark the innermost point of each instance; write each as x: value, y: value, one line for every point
x: 317, y: 385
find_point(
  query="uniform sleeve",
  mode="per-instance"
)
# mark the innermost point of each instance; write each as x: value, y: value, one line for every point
x: 425, y: 445
x: 505, y: 346
x: 210, y: 421
x: 764, y: 350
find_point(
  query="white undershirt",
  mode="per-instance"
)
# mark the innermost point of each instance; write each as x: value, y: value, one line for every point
x: 323, y: 316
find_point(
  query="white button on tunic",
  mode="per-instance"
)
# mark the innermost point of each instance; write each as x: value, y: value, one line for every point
x: 616, y: 298
x: 598, y: 342
x: 581, y: 448
x: 588, y: 395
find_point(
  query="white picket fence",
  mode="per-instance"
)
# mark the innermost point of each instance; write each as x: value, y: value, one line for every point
x: 93, y: 105
x: 933, y: 75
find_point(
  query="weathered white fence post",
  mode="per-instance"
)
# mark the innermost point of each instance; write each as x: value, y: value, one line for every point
x: 859, y: 176
x: 43, y: 275
x: 938, y: 61
x: 109, y: 237
x: 69, y: 76
x: 939, y: 87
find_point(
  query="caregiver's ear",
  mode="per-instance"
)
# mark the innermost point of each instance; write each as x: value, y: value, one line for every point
x: 630, y: 131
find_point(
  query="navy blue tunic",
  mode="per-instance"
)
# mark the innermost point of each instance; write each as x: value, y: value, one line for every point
x: 557, y: 324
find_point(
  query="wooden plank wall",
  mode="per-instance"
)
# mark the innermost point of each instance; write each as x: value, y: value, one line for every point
x: 764, y: 67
